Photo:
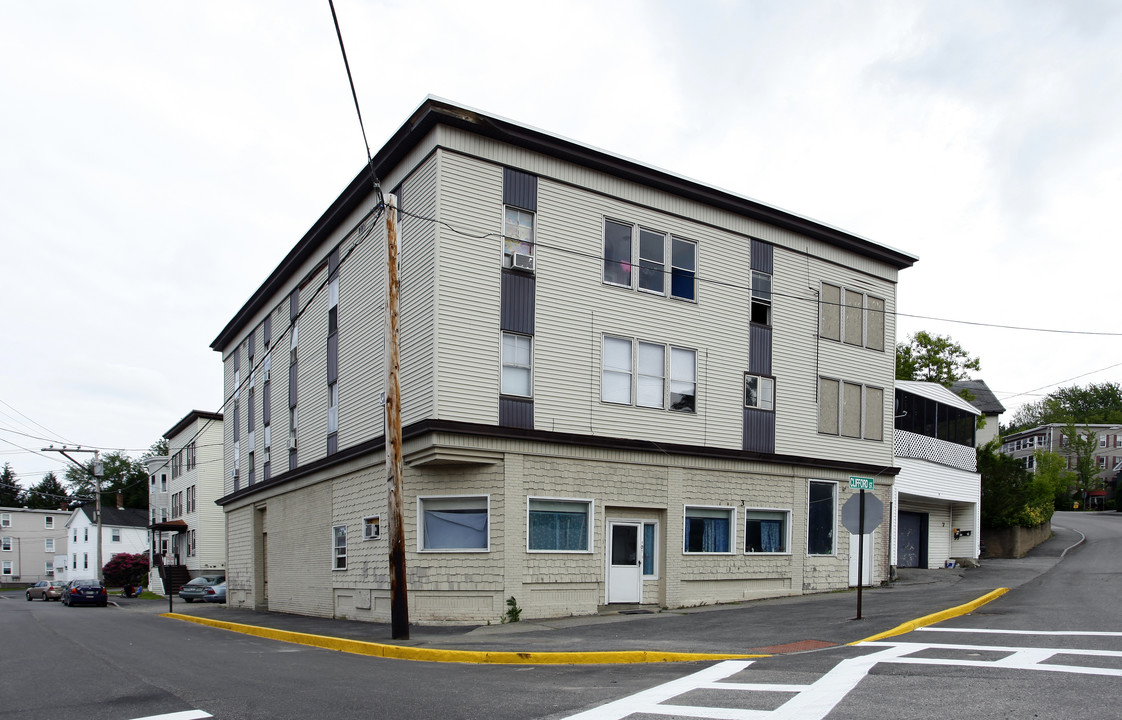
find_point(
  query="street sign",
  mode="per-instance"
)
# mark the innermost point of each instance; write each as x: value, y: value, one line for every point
x: 860, y: 483
x: 851, y: 513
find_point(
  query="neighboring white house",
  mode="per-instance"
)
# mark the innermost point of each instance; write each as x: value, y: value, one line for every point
x: 123, y: 530
x: 29, y: 541
x: 199, y: 542
x: 618, y: 386
x: 937, y: 497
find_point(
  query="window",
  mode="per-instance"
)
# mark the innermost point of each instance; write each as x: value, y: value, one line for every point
x: 116, y: 535
x: 74, y: 561
x: 5, y: 519
x: 516, y: 358
x: 1030, y: 462
x: 656, y: 251
x: 48, y: 545
x: 709, y: 529
x: 559, y: 525
x: 851, y: 316
x: 761, y: 298
x: 339, y: 544
x: 49, y: 522
x: 615, y: 385
x: 163, y: 482
x: 85, y: 534
x: 49, y: 569
x: 191, y: 496
x: 650, y: 388
x: 6, y: 568
x: 372, y: 527
x: 333, y: 407
x: 874, y: 323
x: 454, y: 523
x: 766, y: 531
x: 6, y: 544
x: 650, y: 550
x: 1101, y: 459
x: 830, y: 313
x: 75, y: 534
x: 821, y: 518
x: 518, y: 232
x: 683, y: 380
x: 759, y: 392
x: 852, y: 304
x: 850, y: 409
x: 651, y: 381
x: 85, y: 561
x: 1102, y: 441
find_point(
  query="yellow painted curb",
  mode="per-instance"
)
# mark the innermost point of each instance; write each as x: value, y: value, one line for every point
x: 936, y: 617
x: 361, y: 647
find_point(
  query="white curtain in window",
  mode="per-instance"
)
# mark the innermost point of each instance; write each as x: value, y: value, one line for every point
x: 616, y: 380
x: 651, y: 382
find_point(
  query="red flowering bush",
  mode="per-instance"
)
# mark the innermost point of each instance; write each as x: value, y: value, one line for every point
x: 126, y: 569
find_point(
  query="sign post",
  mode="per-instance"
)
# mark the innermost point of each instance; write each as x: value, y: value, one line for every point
x: 863, y: 523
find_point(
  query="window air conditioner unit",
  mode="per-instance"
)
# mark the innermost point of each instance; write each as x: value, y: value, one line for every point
x: 370, y: 531
x: 292, y: 443
x: 264, y: 376
x: 266, y: 454
x: 234, y: 473
x: 522, y: 261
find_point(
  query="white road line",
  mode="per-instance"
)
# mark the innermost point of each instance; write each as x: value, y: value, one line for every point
x: 182, y: 715
x: 648, y: 700
x: 1061, y: 633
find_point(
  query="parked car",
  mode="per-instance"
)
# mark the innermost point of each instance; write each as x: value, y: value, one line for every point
x: 87, y: 591
x: 216, y: 593
x: 196, y: 589
x: 45, y: 590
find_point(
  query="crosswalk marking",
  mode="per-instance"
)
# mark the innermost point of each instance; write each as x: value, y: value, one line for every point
x: 816, y: 700
x: 182, y: 715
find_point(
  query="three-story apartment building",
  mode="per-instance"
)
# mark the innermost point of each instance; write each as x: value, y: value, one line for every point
x: 618, y: 386
x: 30, y: 542
x: 195, y: 525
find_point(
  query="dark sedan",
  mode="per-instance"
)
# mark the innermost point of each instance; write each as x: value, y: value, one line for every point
x: 87, y: 591
x: 45, y: 590
x: 196, y: 589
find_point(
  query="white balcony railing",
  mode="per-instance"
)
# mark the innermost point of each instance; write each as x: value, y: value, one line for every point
x: 920, y: 447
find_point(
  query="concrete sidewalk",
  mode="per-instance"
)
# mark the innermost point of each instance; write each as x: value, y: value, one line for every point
x: 749, y: 628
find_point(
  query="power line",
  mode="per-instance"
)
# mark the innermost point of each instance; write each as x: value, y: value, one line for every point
x: 48, y: 430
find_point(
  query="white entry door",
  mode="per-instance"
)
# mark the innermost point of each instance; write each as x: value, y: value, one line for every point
x: 625, y: 566
x: 867, y: 570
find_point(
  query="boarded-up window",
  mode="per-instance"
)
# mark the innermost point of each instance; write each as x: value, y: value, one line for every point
x: 828, y: 406
x: 874, y: 413
x: 874, y: 324
x: 851, y: 410
x: 853, y: 305
x: 831, y: 312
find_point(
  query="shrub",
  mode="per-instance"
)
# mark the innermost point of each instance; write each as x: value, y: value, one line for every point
x: 126, y: 569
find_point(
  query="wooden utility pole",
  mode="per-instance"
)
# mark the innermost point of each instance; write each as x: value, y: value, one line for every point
x: 98, y: 473
x: 395, y: 466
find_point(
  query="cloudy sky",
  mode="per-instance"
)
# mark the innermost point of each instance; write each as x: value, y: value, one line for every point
x: 159, y: 159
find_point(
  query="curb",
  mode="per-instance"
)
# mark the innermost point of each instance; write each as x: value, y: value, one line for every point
x: 361, y: 647
x: 938, y: 617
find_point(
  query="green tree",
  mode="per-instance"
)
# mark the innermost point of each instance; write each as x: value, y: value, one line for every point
x: 48, y: 494
x: 1051, y: 468
x: 1080, y: 446
x: 1095, y: 403
x: 156, y: 449
x: 933, y: 358
x: 1011, y: 495
x: 11, y: 494
x: 121, y: 473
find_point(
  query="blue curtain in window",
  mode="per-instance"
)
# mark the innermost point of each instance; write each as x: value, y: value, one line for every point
x: 770, y: 539
x: 714, y: 534
x: 455, y: 530
x: 555, y: 530
x: 648, y: 549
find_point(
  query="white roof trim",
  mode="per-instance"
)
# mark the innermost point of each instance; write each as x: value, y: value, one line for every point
x: 938, y: 393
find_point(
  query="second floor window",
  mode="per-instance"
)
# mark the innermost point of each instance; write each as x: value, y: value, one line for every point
x: 635, y: 373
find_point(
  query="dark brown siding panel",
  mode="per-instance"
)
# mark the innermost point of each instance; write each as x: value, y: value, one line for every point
x: 292, y: 385
x: 517, y: 313
x: 759, y: 349
x: 267, y: 403
x: 759, y: 430
x: 516, y: 412
x: 520, y: 190
x: 763, y: 256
